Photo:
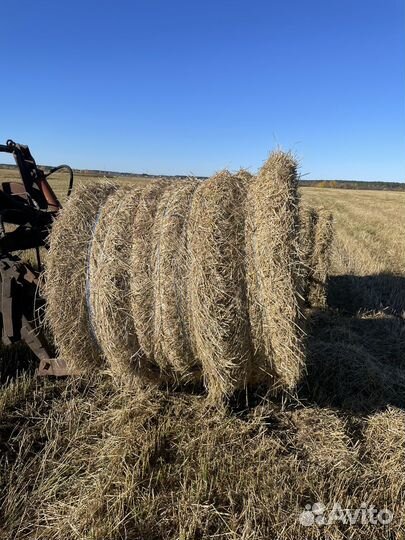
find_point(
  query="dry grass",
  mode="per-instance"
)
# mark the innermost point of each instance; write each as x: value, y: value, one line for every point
x: 114, y: 464
x: 82, y: 459
x: 364, y: 222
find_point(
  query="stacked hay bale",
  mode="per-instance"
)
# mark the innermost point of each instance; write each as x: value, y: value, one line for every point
x: 171, y: 324
x: 315, y: 246
x: 273, y: 270
x: 67, y: 269
x: 179, y: 282
x: 110, y: 277
x: 216, y: 285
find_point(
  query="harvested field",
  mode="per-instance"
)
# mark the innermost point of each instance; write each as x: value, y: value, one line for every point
x: 107, y: 462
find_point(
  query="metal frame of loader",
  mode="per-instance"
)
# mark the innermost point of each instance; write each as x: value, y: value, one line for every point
x: 29, y: 207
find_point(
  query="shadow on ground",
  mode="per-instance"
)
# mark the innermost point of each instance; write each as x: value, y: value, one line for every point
x: 380, y: 292
x: 356, y: 347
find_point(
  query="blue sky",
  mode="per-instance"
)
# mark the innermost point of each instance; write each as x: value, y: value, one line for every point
x: 195, y: 86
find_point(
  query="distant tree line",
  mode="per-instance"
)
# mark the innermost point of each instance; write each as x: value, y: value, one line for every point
x: 339, y: 184
x: 354, y: 184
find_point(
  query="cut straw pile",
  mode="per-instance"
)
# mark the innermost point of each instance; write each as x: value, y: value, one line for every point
x: 189, y: 281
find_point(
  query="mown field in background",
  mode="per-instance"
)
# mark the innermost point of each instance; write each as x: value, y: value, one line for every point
x: 80, y: 459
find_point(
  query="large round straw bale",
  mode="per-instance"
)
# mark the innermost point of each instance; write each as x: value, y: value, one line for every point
x: 273, y: 269
x: 308, y: 219
x: 172, y: 347
x: 110, y: 274
x: 66, y: 276
x: 323, y: 241
x: 141, y: 286
x: 216, y: 283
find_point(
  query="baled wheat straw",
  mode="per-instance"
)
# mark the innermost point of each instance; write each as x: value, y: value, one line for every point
x: 174, y: 279
x: 110, y: 274
x: 273, y: 271
x: 141, y: 283
x: 244, y: 174
x: 216, y: 283
x: 308, y: 218
x: 66, y: 276
x: 321, y: 257
x: 172, y: 347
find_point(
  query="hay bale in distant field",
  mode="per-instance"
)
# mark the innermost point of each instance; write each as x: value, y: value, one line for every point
x: 172, y: 347
x: 110, y: 275
x: 273, y: 271
x: 141, y: 283
x: 321, y: 257
x: 216, y: 283
x: 67, y: 311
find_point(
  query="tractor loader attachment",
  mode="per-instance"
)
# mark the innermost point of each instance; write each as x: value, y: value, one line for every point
x: 27, y: 211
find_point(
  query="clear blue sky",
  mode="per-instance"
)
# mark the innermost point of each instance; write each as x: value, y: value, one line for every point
x: 195, y: 86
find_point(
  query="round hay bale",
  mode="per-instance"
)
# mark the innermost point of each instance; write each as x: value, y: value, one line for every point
x: 141, y: 285
x: 110, y: 274
x: 172, y: 347
x: 273, y: 270
x: 308, y: 218
x: 67, y: 311
x: 321, y: 257
x: 217, y: 303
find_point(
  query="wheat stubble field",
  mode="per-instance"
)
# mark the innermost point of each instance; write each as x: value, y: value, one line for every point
x: 81, y: 459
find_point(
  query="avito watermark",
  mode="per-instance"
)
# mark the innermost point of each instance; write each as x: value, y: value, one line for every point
x: 317, y: 514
